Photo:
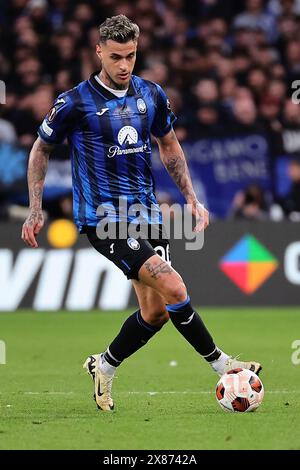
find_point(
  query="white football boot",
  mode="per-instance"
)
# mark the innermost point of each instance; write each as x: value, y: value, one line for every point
x: 226, y: 363
x: 102, y: 383
x: 234, y: 363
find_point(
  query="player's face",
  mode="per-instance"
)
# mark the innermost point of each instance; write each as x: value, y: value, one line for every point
x: 117, y: 61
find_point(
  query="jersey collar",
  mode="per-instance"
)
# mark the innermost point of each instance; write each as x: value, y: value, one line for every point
x: 106, y: 93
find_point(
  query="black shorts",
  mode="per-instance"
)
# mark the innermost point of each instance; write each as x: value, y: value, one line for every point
x: 130, y: 254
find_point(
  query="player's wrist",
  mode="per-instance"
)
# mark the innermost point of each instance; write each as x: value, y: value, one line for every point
x: 191, y: 200
x: 195, y: 203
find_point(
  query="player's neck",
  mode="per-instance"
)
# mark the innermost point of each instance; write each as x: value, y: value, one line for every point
x: 109, y: 83
x: 117, y: 93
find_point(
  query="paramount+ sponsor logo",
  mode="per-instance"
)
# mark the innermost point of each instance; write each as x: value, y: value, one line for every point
x: 127, y: 138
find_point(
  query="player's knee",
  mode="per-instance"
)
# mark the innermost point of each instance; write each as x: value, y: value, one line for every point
x: 162, y: 316
x: 156, y: 317
x: 176, y: 293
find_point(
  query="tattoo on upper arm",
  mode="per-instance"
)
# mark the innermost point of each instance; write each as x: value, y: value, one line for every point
x: 157, y: 270
x: 43, y: 146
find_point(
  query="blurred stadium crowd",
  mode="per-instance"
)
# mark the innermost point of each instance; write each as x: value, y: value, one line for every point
x: 227, y: 66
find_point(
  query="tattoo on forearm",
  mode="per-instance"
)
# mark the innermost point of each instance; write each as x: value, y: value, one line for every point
x: 156, y: 271
x: 178, y: 170
x: 36, y: 192
x: 37, y: 168
x: 173, y: 158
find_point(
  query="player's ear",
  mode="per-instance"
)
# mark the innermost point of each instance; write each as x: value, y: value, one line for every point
x: 98, y: 50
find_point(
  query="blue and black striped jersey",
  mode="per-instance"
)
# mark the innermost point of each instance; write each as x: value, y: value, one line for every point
x: 110, y: 142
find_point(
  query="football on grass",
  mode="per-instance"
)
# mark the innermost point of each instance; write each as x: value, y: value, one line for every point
x: 239, y: 390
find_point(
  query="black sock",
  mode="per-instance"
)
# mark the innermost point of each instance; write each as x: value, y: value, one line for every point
x: 134, y: 334
x: 189, y: 324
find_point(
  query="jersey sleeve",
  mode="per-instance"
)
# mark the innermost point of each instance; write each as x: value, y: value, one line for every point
x: 58, y: 122
x: 164, y: 116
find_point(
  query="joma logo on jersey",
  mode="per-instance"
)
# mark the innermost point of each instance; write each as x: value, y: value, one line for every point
x: 127, y: 137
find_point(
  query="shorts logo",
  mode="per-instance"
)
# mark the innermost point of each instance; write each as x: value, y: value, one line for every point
x: 141, y: 105
x: 133, y: 244
x: 127, y: 135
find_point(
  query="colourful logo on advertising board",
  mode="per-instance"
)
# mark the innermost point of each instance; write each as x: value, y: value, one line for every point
x: 248, y: 264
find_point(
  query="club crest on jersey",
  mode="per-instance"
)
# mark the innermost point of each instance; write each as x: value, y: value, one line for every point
x: 127, y: 135
x: 133, y: 244
x: 141, y: 106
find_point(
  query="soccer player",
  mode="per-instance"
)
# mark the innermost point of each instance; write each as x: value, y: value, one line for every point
x: 109, y: 120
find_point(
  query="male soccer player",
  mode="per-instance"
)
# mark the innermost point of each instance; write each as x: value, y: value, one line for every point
x: 108, y: 121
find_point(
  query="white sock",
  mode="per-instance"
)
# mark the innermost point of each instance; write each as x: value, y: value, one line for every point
x: 219, y: 365
x: 105, y: 367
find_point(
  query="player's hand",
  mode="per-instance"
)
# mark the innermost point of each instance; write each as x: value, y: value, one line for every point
x: 32, y: 226
x: 202, y: 216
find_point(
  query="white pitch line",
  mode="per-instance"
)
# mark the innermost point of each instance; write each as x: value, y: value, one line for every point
x: 48, y: 393
x: 168, y: 392
x: 200, y: 392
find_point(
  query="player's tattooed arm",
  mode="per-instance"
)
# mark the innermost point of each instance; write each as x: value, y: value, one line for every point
x: 37, y: 168
x: 174, y: 160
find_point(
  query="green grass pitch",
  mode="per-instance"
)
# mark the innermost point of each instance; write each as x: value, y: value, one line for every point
x: 45, y: 395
